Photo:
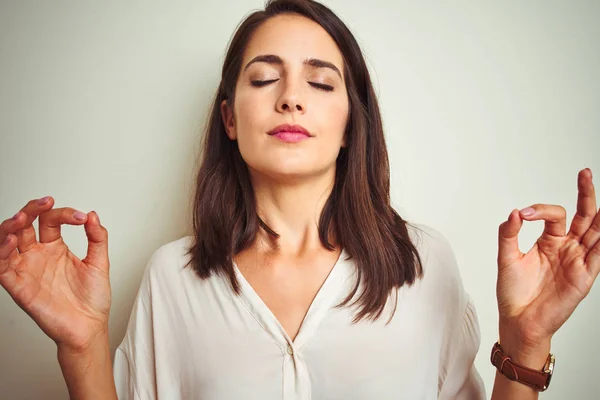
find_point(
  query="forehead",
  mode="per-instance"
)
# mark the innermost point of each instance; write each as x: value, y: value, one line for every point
x: 294, y: 38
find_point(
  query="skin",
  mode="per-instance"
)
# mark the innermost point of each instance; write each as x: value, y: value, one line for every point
x: 539, y: 290
x: 70, y: 298
x: 292, y: 181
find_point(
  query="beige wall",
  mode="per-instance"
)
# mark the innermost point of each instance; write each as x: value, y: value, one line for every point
x: 488, y: 106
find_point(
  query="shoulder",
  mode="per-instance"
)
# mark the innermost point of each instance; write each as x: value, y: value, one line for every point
x: 433, y: 246
x: 441, y: 273
x: 167, y: 268
x: 169, y: 256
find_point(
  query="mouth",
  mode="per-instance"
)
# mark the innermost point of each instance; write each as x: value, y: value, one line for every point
x: 298, y: 129
x: 290, y: 133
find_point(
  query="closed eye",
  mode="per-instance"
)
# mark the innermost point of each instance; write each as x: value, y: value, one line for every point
x: 258, y: 83
x: 321, y: 86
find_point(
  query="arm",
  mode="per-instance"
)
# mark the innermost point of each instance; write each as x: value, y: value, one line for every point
x: 88, y: 372
x: 68, y: 298
x: 533, y: 358
x: 538, y: 291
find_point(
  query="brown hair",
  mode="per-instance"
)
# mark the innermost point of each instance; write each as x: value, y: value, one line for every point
x: 225, y: 219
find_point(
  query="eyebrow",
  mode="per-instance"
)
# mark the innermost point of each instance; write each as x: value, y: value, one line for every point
x: 313, y: 62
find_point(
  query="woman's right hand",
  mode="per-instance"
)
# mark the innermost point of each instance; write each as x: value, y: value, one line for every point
x: 67, y: 297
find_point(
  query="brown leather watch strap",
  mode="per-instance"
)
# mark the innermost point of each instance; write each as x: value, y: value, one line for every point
x: 538, y: 380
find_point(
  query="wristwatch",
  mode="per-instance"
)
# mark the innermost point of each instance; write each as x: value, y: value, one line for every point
x: 539, y: 380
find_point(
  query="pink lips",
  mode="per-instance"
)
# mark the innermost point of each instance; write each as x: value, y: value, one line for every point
x: 290, y: 133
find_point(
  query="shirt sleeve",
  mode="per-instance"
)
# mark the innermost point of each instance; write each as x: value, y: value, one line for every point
x: 124, y: 382
x: 133, y: 366
x: 459, y: 379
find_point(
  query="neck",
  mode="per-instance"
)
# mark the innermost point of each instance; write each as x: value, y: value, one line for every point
x: 293, y: 211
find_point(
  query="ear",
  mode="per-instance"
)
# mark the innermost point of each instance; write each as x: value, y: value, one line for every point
x: 344, y: 139
x: 346, y: 132
x: 228, y: 121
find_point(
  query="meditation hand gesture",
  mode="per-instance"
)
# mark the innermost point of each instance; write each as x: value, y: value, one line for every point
x: 538, y: 291
x: 68, y: 298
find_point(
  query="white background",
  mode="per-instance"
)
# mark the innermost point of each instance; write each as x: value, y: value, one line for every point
x: 488, y: 106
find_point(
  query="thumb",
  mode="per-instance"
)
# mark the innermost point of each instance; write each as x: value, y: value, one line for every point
x: 97, y: 253
x: 508, y: 239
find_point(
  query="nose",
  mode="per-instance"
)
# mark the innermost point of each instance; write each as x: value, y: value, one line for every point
x: 291, y: 100
x: 290, y: 105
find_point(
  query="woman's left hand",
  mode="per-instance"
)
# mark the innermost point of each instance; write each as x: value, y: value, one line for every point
x: 538, y: 291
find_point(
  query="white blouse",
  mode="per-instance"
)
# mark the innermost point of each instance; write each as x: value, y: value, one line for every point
x: 189, y: 338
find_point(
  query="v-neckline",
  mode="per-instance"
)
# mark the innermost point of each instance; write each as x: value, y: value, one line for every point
x: 323, y: 300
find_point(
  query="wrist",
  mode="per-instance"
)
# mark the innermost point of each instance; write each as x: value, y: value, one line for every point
x: 80, y: 346
x: 527, y: 353
x: 532, y: 358
x: 88, y: 370
x: 94, y: 349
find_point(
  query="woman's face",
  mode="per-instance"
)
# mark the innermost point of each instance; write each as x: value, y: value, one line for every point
x: 292, y: 73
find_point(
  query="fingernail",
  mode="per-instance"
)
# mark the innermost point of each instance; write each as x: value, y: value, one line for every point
x: 43, y: 200
x: 16, y: 216
x: 591, y: 176
x: 97, y: 216
x: 527, y: 212
x: 79, y: 216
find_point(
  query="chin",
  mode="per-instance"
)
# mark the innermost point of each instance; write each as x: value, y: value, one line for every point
x: 285, y: 172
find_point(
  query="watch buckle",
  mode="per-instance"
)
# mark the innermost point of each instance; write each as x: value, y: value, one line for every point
x: 548, y: 369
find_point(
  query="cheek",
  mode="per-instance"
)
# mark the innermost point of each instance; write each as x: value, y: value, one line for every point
x: 334, y: 117
x: 252, y: 109
x: 249, y: 112
x: 245, y: 112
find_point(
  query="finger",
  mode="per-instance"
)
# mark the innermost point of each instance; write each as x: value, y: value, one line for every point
x: 22, y: 225
x: 554, y: 217
x: 508, y: 239
x: 593, y: 233
x: 9, y: 227
x: 8, y: 276
x: 592, y: 260
x: 14, y: 224
x: 51, y: 221
x: 586, y: 205
x: 97, y: 253
x: 8, y: 248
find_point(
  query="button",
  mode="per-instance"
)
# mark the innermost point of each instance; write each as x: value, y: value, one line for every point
x: 290, y: 350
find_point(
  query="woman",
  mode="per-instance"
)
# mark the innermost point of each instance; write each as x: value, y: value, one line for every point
x: 300, y: 280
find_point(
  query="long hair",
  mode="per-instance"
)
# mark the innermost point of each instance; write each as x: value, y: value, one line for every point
x: 225, y: 219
